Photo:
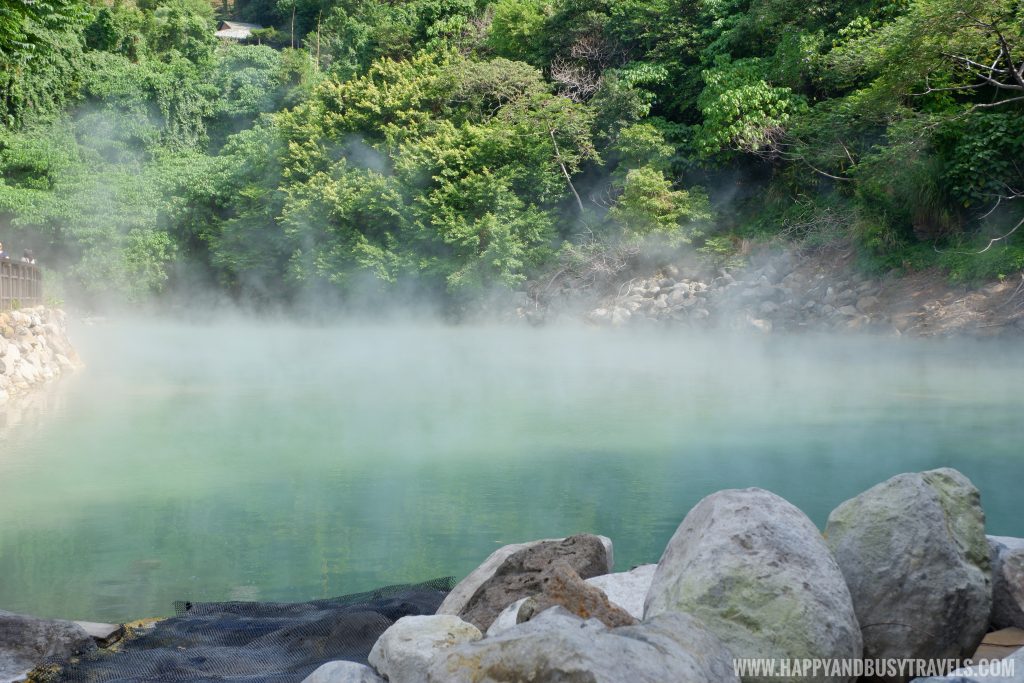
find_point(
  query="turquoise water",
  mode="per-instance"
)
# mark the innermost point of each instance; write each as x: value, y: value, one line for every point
x: 252, y: 460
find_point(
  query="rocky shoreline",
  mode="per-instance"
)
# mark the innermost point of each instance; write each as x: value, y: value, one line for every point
x: 787, y: 291
x: 903, y: 571
x: 34, y: 349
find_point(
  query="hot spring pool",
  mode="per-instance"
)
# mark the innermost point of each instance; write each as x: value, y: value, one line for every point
x: 258, y: 460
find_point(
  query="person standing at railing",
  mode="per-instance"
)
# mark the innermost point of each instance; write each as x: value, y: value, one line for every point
x: 28, y: 256
x: 3, y: 254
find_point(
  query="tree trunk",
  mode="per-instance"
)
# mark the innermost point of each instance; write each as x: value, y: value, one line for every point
x: 565, y: 171
x: 318, y: 17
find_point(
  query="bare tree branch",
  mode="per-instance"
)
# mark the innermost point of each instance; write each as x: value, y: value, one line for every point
x: 579, y: 73
x: 1006, y: 72
x: 1000, y: 103
x: 575, y: 81
x: 1003, y: 237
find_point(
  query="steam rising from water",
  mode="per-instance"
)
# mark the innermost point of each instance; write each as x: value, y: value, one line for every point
x: 263, y: 459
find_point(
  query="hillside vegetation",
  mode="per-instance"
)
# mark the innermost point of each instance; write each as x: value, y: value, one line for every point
x: 455, y: 146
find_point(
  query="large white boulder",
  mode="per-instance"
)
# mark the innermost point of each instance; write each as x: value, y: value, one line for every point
x: 403, y: 652
x: 343, y: 672
x: 757, y: 572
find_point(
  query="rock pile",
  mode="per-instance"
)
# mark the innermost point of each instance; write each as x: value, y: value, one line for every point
x: 34, y: 349
x: 903, y: 571
x: 774, y: 296
x: 818, y: 292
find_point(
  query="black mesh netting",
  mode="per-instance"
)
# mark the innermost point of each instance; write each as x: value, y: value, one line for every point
x: 258, y: 641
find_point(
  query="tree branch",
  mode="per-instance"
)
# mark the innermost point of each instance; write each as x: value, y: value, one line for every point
x: 999, y: 239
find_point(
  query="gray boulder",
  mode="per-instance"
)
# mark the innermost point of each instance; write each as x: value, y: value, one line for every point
x: 524, y: 573
x: 343, y: 672
x: 697, y: 643
x: 627, y: 589
x: 1007, y: 581
x: 26, y: 642
x: 914, y: 554
x: 757, y: 572
x: 456, y: 601
x: 557, y: 646
x: 402, y: 653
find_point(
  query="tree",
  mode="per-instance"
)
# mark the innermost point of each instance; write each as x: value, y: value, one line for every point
x: 516, y: 30
x: 742, y: 111
x: 40, y: 53
x: 649, y: 206
x: 183, y: 29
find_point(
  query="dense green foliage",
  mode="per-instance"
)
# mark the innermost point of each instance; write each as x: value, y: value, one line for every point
x: 462, y: 145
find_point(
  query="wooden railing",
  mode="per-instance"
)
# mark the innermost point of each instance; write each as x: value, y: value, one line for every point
x: 21, y: 285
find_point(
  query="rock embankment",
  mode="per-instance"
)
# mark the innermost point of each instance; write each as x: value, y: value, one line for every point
x: 791, y: 292
x: 903, y: 572
x: 34, y: 349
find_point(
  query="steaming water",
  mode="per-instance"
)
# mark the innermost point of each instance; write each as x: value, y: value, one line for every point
x: 257, y: 461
